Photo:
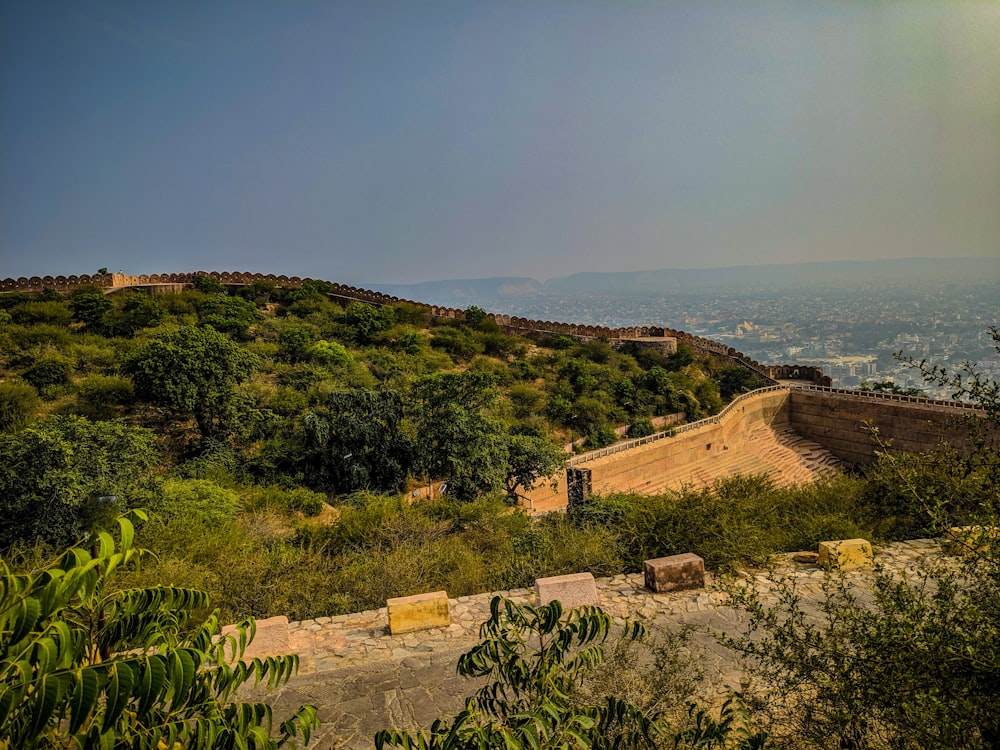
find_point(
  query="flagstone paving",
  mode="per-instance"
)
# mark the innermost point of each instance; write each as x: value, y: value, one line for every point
x: 363, y: 679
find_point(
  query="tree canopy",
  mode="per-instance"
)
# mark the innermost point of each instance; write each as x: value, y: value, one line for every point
x: 192, y: 370
x: 54, y: 474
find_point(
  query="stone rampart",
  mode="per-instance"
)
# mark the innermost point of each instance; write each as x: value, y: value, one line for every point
x: 649, y: 464
x: 840, y: 420
x: 836, y: 419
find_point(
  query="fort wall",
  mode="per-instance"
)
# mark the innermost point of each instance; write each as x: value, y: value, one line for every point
x: 649, y: 465
x: 836, y: 419
x: 841, y: 420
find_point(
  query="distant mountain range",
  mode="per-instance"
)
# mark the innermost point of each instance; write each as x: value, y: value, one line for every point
x: 783, y: 277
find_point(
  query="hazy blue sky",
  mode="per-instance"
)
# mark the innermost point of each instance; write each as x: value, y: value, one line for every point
x: 403, y: 141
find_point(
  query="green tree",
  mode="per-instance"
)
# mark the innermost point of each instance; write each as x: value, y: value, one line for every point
x: 457, y: 438
x: 89, y: 306
x: 232, y: 315
x: 355, y: 442
x: 53, y: 474
x: 193, y: 370
x: 534, y: 659
x: 734, y: 380
x: 84, y: 665
x: 530, y: 458
x: 136, y: 311
x: 49, y: 370
x: 207, y: 285
x: 365, y: 321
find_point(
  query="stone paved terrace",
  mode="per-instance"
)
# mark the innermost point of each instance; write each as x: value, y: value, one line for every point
x: 362, y: 679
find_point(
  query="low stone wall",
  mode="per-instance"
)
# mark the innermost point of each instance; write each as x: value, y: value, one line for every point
x: 363, y: 638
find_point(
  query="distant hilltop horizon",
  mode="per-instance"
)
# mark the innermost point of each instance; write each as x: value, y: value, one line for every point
x: 778, y: 276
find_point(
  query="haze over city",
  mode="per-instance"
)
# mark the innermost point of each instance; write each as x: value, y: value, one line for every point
x: 398, y: 142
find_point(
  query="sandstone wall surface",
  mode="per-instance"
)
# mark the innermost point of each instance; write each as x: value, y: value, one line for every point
x: 839, y: 421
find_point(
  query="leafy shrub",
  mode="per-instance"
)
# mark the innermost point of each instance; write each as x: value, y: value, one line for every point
x: 601, y: 435
x: 54, y: 474
x: 230, y: 315
x: 19, y: 402
x: 533, y: 659
x: 100, y: 394
x: 641, y: 427
x: 458, y: 342
x: 27, y: 337
x: 51, y: 312
x: 287, y: 500
x: 197, y: 499
x: 329, y: 354
x: 90, y: 666
x: 740, y: 519
x: 47, y: 371
x: 135, y: 312
x: 88, y: 306
x: 294, y: 342
x: 207, y: 285
x: 525, y: 400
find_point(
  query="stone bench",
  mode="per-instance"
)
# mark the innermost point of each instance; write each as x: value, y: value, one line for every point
x: 675, y: 573
x: 846, y: 554
x: 271, y: 638
x: 419, y: 612
x: 573, y: 590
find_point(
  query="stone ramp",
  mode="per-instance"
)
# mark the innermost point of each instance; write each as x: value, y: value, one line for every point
x: 780, y: 453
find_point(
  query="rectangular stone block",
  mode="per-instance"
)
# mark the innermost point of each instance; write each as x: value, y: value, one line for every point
x: 846, y: 554
x: 419, y: 612
x: 971, y: 540
x: 271, y: 638
x: 675, y: 573
x: 573, y: 590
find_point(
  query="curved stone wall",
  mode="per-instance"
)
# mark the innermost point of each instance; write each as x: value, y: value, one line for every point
x: 841, y: 420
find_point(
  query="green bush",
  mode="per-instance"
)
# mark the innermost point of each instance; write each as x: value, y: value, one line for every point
x: 641, y: 427
x: 199, y: 500
x: 47, y: 371
x: 51, y: 312
x: 601, y: 435
x: 19, y: 403
x: 740, y: 520
x: 100, y: 394
x: 89, y: 665
x: 286, y: 500
x: 329, y: 354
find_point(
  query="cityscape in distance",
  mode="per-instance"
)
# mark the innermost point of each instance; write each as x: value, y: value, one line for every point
x: 848, y: 318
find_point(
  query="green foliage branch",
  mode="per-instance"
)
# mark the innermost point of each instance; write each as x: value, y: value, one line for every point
x: 534, y: 659
x: 85, y: 666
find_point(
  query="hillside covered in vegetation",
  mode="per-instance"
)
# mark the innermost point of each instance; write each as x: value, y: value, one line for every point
x: 279, y: 439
